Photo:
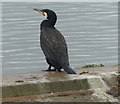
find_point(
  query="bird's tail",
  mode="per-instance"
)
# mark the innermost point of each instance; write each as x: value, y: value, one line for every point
x: 69, y: 70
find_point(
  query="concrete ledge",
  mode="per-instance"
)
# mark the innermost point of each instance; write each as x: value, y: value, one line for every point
x: 97, y: 80
x: 44, y: 87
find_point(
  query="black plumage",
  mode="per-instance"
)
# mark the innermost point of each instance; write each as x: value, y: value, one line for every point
x: 53, y: 43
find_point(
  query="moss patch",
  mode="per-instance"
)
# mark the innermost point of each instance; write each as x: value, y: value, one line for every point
x: 92, y: 65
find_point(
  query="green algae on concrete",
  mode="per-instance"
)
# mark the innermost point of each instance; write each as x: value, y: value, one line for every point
x: 92, y: 65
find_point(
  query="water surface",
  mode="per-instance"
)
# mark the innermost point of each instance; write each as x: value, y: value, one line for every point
x: 90, y: 29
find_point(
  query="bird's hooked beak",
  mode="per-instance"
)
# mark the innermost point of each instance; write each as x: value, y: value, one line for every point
x: 41, y: 12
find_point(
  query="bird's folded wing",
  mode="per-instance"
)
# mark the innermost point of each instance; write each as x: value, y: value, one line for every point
x: 53, y: 44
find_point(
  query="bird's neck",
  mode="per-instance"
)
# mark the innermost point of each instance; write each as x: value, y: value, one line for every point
x: 46, y: 23
x: 52, y: 21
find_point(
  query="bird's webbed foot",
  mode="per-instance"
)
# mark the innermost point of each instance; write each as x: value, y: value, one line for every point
x: 49, y: 69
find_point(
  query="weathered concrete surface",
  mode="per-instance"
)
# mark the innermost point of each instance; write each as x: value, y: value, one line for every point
x: 90, y: 84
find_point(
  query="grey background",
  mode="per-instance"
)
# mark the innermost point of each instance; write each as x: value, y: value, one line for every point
x: 90, y: 29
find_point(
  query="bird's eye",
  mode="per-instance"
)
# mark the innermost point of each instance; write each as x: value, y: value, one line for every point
x: 44, y: 13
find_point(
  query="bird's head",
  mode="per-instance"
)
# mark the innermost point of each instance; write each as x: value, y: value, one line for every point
x: 47, y: 13
x: 50, y: 15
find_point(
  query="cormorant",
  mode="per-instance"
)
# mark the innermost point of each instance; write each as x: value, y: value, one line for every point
x: 53, y: 43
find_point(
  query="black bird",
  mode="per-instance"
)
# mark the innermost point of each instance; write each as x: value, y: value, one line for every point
x: 53, y: 43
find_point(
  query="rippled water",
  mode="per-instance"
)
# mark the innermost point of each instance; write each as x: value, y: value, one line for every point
x: 90, y: 29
